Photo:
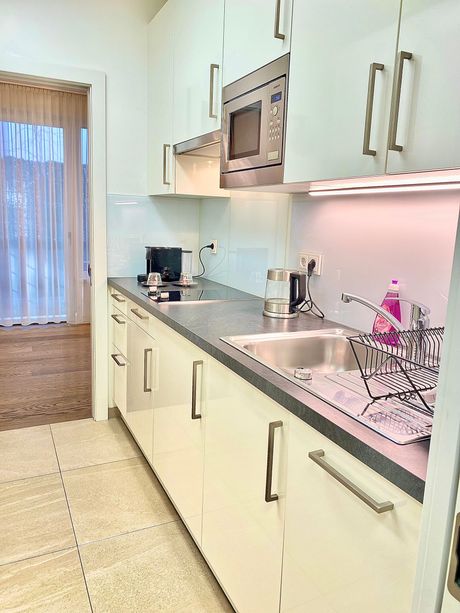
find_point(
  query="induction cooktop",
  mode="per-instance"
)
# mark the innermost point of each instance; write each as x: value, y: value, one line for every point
x: 175, y: 294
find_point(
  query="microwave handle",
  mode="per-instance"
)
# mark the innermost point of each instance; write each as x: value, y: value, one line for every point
x: 277, y: 33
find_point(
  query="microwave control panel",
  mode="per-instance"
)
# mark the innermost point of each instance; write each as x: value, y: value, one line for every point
x: 276, y: 107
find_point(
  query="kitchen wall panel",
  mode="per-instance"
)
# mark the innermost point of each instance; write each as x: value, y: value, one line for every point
x: 252, y: 231
x: 136, y: 221
x: 367, y: 240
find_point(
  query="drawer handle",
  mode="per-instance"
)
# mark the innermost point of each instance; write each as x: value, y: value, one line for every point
x: 403, y: 55
x: 269, y: 497
x: 195, y: 365
x: 118, y: 318
x: 277, y: 33
x: 137, y: 314
x: 166, y: 149
x: 147, y: 389
x: 453, y: 583
x: 378, y: 507
x: 118, y: 298
x: 115, y: 357
x: 369, y: 108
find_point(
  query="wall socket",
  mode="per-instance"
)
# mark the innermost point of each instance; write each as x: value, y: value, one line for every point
x: 214, y: 241
x: 305, y: 257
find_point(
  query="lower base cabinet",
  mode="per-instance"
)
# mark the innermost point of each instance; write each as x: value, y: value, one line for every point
x: 119, y: 365
x: 179, y: 423
x: 244, y: 490
x: 340, y: 555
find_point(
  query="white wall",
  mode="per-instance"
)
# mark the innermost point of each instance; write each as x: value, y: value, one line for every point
x: 369, y: 240
x: 105, y: 35
x: 251, y: 230
x: 136, y: 221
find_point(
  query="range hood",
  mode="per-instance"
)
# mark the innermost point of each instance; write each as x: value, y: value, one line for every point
x: 206, y: 145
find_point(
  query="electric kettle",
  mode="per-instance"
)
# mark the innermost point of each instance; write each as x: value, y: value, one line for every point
x: 284, y: 292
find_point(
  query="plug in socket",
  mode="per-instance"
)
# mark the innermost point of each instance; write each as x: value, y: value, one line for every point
x: 214, y: 242
x: 306, y: 257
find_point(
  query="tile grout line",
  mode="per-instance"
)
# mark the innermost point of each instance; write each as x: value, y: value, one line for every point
x: 68, y: 470
x: 56, y: 472
x: 38, y: 555
x: 114, y: 536
x: 72, y: 524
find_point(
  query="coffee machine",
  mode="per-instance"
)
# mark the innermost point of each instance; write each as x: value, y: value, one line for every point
x: 165, y: 260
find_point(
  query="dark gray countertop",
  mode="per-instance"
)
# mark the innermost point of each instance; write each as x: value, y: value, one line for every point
x: 204, y: 323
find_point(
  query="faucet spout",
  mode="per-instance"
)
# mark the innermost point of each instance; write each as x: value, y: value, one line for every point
x: 347, y: 298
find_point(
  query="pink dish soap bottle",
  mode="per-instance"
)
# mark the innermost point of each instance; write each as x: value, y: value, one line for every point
x: 391, y: 304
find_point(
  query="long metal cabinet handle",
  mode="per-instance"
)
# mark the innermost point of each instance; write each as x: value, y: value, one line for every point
x: 118, y: 298
x: 146, y: 353
x: 117, y: 318
x: 166, y: 148
x: 378, y: 507
x: 212, y: 72
x: 137, y: 314
x: 369, y: 108
x: 277, y: 33
x: 114, y: 357
x: 453, y: 583
x: 195, y: 365
x: 269, y: 497
x: 394, y: 116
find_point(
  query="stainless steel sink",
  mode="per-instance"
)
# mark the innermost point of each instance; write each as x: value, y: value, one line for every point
x: 335, y: 378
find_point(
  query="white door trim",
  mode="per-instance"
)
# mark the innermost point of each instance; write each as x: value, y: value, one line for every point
x: 95, y: 81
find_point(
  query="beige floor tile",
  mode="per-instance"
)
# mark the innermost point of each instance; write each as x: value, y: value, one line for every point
x: 86, y: 442
x: 51, y: 583
x: 111, y: 499
x: 34, y: 518
x: 157, y: 569
x: 28, y: 452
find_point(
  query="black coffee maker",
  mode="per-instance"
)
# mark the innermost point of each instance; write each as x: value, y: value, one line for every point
x: 165, y: 260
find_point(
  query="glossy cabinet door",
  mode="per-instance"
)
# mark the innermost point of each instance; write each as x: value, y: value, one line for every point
x: 179, y: 416
x: 119, y: 365
x: 142, y: 378
x: 198, y: 33
x: 242, y: 532
x: 340, y: 555
x: 427, y: 132
x: 341, y: 73
x: 256, y: 33
x: 160, y: 172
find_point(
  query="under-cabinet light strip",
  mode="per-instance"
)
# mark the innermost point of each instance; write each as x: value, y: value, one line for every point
x: 426, y: 187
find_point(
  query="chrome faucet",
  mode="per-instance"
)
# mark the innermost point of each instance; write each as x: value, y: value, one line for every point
x: 419, y: 317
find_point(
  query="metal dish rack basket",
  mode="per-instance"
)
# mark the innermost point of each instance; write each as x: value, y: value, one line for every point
x: 402, y: 365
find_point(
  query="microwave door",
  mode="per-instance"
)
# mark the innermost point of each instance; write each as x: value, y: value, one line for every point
x: 244, y: 136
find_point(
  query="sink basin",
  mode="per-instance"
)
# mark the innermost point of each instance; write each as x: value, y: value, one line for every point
x: 322, y: 351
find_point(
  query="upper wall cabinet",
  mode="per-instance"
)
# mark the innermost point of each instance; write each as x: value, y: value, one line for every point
x: 341, y: 73
x: 425, y: 131
x: 160, y: 103
x: 256, y: 32
x: 198, y: 29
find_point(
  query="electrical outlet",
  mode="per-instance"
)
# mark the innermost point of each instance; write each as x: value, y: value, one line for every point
x: 305, y: 257
x: 214, y: 249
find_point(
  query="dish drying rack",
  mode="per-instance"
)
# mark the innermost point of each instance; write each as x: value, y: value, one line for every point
x: 403, y: 365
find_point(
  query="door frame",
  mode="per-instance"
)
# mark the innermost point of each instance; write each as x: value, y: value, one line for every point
x: 95, y: 82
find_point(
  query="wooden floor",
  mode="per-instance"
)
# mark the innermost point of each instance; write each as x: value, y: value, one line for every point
x: 45, y: 374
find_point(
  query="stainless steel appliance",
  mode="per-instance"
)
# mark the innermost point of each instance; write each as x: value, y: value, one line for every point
x: 253, y: 127
x: 284, y: 292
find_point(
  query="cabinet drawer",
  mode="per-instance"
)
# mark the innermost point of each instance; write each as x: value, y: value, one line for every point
x: 141, y: 317
x: 339, y: 550
x: 118, y: 321
x: 119, y: 300
x: 119, y: 369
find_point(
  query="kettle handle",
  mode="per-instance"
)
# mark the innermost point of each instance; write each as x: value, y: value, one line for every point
x: 297, y: 289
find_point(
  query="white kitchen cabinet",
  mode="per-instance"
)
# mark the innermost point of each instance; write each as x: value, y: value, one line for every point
x: 179, y: 416
x: 428, y: 120
x: 340, y: 555
x: 119, y: 331
x: 198, y: 31
x: 142, y: 381
x: 339, y: 52
x: 256, y: 32
x: 119, y: 365
x: 160, y: 102
x: 242, y: 532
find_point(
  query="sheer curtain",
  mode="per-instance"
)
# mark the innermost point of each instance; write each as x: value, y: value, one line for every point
x: 43, y: 206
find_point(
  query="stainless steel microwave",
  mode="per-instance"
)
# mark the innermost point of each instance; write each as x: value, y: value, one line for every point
x: 253, y: 127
